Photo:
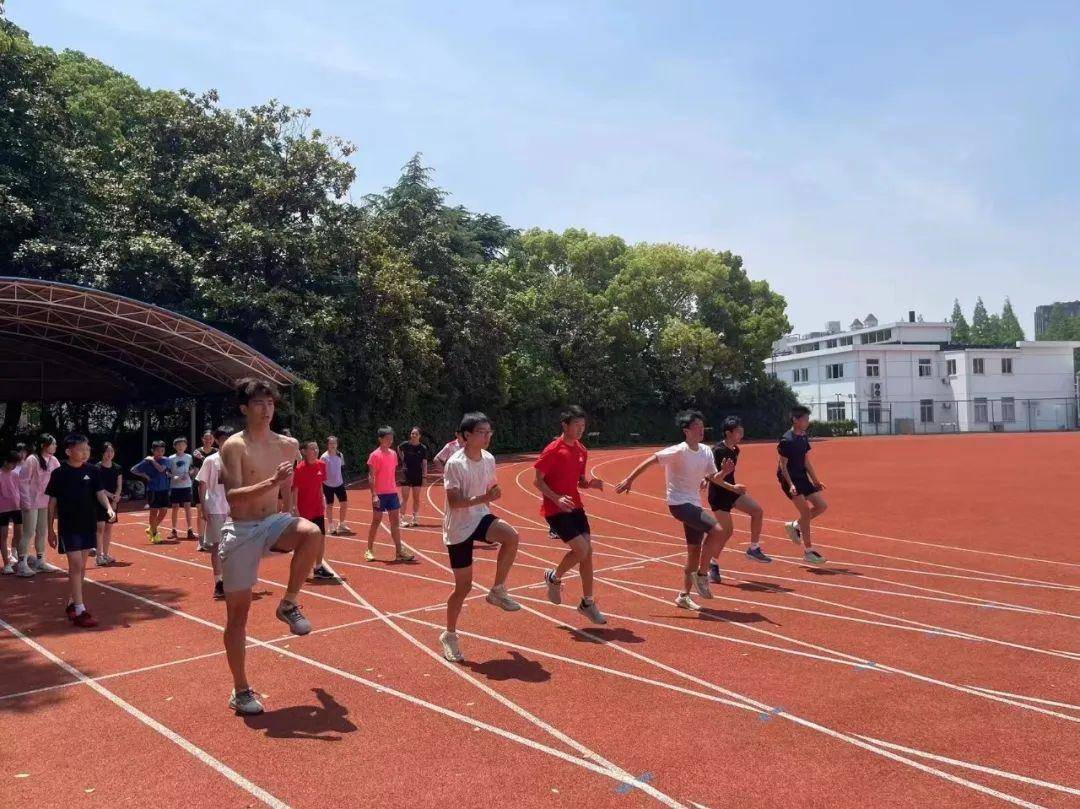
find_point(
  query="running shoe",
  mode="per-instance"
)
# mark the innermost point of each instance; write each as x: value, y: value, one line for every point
x: 101, y: 560
x: 290, y: 614
x: 701, y: 584
x: 219, y: 591
x: 93, y: 553
x: 591, y: 611
x: 792, y: 529
x: 9, y: 569
x: 405, y: 555
x: 415, y: 521
x: 204, y: 548
x: 758, y: 555
x: 322, y: 572
x: 172, y: 534
x: 450, y: 649
x: 406, y: 524
x: 554, y: 587
x: 714, y: 572
x: 85, y: 620
x: 155, y: 538
x: 369, y: 554
x: 245, y: 703
x: 501, y: 599
x: 24, y: 570
x: 684, y: 601
x: 344, y: 529
x: 69, y: 610
x: 813, y: 557
x: 191, y: 534
x: 38, y: 563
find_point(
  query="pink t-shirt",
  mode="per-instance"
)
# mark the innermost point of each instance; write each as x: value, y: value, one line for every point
x: 382, y: 471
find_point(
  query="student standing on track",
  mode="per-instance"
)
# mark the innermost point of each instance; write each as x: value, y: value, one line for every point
x: 180, y: 486
x: 309, y: 477
x: 335, y: 486
x: 685, y: 466
x: 198, y: 458
x: 113, y: 483
x: 800, y: 483
x: 10, y: 514
x: 470, y: 484
x: 34, y: 476
x: 560, y: 473
x: 382, y: 477
x: 157, y: 470
x: 448, y: 450
x: 215, y: 506
x: 255, y: 463
x: 414, y: 458
x: 727, y: 495
x: 75, y: 495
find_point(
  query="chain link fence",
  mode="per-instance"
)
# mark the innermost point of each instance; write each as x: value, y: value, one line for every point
x: 988, y: 414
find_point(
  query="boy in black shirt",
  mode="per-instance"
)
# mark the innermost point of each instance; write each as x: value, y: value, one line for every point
x: 75, y: 495
x: 800, y: 483
x: 727, y: 496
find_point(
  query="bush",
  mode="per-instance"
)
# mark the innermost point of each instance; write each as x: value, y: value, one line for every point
x: 829, y: 429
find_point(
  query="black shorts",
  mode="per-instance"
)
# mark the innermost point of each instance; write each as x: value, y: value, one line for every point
x: 414, y: 479
x: 319, y: 521
x: 10, y: 518
x: 461, y: 553
x: 802, y: 485
x: 102, y: 514
x: 569, y: 524
x: 722, y: 499
x: 158, y: 499
x: 196, y: 498
x: 330, y: 492
x: 70, y: 543
x: 696, y: 521
x: 180, y: 497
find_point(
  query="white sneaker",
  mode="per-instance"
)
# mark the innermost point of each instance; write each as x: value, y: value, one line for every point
x: 101, y: 560
x: 245, y: 703
x: 9, y: 569
x: 792, y: 529
x: 23, y: 569
x: 450, y: 649
x: 501, y: 599
x: 591, y: 611
x: 554, y: 587
x: 813, y: 557
x: 684, y: 601
x: 701, y: 584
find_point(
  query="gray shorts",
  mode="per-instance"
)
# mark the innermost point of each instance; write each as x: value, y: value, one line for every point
x: 212, y: 525
x: 697, y: 522
x: 244, y: 543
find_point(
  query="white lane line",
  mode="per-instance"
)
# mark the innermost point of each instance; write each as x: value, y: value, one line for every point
x: 222, y: 769
x: 1029, y: 699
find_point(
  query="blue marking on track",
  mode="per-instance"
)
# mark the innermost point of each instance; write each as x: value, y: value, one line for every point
x: 626, y: 789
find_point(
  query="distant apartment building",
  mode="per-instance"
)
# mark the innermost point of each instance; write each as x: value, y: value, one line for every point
x: 1042, y: 315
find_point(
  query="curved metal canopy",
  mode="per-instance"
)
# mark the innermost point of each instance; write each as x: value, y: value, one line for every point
x: 60, y: 341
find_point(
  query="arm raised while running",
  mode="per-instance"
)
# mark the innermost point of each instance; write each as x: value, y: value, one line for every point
x: 454, y: 486
x: 627, y: 482
x: 564, y: 502
x: 232, y: 465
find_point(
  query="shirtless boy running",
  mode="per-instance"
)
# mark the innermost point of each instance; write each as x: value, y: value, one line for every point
x: 255, y: 463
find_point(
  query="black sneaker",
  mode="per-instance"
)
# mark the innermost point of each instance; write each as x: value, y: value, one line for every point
x: 321, y: 572
x: 219, y: 591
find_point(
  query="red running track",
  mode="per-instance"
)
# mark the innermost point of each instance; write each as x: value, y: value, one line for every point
x: 933, y: 661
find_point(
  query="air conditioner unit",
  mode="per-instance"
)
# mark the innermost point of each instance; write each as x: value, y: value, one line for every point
x: 946, y: 405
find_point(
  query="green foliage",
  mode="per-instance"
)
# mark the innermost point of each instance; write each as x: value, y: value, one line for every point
x: 1062, y: 326
x: 401, y: 308
x: 961, y: 329
x: 828, y: 429
x: 1010, y: 329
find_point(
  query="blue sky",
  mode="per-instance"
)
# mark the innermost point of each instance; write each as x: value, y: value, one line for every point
x: 860, y: 156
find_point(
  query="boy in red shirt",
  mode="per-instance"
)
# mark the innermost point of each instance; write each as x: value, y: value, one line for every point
x: 309, y: 477
x: 560, y: 473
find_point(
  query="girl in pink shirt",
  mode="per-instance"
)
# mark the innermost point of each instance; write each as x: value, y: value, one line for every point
x: 10, y: 513
x: 34, y: 475
x: 382, y: 477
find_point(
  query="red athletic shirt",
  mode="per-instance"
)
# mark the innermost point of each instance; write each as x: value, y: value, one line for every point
x: 562, y: 466
x: 308, y: 480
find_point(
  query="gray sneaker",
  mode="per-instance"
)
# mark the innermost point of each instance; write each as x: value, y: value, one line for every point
x: 501, y: 599
x: 24, y: 570
x: 450, y: 649
x: 792, y: 529
x: 290, y: 614
x: 245, y: 702
x: 813, y: 557
x: 701, y: 584
x: 554, y: 587
x: 684, y: 601
x: 591, y: 611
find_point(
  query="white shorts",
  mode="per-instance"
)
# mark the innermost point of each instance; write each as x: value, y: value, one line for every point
x: 244, y: 543
x: 212, y: 525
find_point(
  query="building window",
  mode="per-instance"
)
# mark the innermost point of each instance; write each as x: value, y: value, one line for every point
x: 830, y: 344
x: 926, y: 411
x: 879, y: 336
x: 802, y: 349
x: 834, y: 371
x: 1006, y: 365
x: 978, y: 366
x: 846, y: 341
x: 1008, y: 409
x: 801, y: 374
x: 981, y: 414
x: 950, y: 366
x: 873, y: 412
x: 926, y: 367
x: 835, y: 411
x: 873, y: 368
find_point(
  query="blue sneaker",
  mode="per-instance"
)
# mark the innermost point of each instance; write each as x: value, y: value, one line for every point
x: 714, y: 572
x: 758, y: 555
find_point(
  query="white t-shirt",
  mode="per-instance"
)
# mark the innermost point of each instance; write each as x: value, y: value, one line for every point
x: 334, y: 464
x: 213, y: 491
x: 471, y: 479
x: 684, y: 469
x: 181, y: 476
x: 447, y: 452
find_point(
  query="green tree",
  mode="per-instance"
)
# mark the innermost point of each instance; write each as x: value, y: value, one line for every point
x: 984, y: 330
x: 1010, y: 328
x: 961, y: 329
x: 1062, y: 326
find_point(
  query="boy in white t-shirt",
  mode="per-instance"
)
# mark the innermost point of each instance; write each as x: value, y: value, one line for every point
x: 686, y: 466
x: 215, y: 506
x: 470, y: 484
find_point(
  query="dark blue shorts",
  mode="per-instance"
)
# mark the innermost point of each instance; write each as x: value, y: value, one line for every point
x: 70, y: 543
x: 389, y: 502
x: 158, y: 499
x: 180, y: 497
x: 802, y: 485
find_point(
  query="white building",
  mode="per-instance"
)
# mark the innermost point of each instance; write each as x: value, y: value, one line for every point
x: 909, y: 377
